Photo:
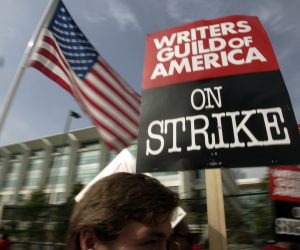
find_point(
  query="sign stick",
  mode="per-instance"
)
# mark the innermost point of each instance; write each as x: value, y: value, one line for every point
x: 215, y: 210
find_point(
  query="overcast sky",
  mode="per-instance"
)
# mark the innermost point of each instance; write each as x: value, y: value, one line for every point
x: 118, y: 29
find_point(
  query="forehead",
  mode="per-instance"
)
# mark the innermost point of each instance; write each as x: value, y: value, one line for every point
x: 137, y: 231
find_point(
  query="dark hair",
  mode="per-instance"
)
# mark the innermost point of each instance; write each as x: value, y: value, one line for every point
x: 115, y: 199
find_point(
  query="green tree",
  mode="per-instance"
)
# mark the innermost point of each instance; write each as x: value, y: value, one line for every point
x: 37, y: 198
x: 63, y: 215
x: 262, y: 212
x: 76, y: 189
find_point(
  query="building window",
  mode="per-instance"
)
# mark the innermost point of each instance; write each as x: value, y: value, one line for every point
x: 59, y: 198
x: 12, y: 175
x: 35, y: 164
x: 57, y: 179
x: 34, y: 171
x: 90, y: 145
x: 89, y: 157
x: 88, y: 163
x: 14, y: 167
x: 32, y: 182
x: 10, y: 183
x: 17, y: 157
x: 58, y: 170
x: 60, y: 161
x: 7, y: 199
x: 62, y: 149
x: 38, y: 153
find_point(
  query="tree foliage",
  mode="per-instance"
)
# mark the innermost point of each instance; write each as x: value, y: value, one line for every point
x: 37, y: 221
x: 37, y: 198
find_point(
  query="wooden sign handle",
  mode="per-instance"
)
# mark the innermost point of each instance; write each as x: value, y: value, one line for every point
x: 215, y: 210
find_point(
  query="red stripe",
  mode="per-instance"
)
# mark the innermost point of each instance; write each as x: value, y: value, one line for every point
x: 56, y: 78
x: 104, y: 112
x: 115, y: 75
x: 117, y: 92
x: 110, y: 101
x: 52, y: 58
x: 102, y: 127
x: 52, y: 43
x: 109, y: 131
x: 99, y: 124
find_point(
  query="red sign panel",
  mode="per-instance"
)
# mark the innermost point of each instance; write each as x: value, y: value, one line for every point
x: 207, y: 48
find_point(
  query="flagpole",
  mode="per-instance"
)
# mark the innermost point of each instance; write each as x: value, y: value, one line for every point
x: 45, y: 19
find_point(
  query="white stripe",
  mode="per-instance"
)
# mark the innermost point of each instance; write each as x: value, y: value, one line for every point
x: 81, y: 54
x: 108, y: 107
x: 71, y: 33
x: 71, y: 40
x: 104, y: 119
x: 49, y: 64
x: 52, y: 50
x: 52, y: 67
x: 65, y: 25
x: 77, y: 48
x: 116, y: 85
x: 96, y: 82
x: 120, y: 79
x: 106, y: 137
x: 112, y: 95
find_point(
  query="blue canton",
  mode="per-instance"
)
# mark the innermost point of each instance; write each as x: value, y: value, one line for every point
x: 76, y: 48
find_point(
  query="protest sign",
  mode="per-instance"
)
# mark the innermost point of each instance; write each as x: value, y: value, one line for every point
x: 213, y: 95
x: 285, y: 191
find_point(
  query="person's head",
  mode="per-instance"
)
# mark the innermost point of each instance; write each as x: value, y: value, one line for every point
x: 123, y: 211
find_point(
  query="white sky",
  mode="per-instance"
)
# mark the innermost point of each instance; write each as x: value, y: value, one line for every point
x: 118, y: 30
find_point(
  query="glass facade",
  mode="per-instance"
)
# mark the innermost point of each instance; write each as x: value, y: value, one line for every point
x: 34, y: 172
x: 11, y: 177
x: 58, y: 170
x: 88, y: 165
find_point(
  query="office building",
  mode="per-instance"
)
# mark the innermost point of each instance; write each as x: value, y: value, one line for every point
x: 55, y: 163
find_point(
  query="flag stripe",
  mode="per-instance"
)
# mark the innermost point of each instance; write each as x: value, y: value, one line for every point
x: 119, y: 80
x: 104, y: 91
x: 106, y: 114
x: 110, y: 142
x: 118, y: 88
x: 49, y: 53
x: 105, y: 123
x: 55, y: 68
x: 50, y: 41
x: 107, y: 103
x: 51, y: 74
x: 111, y: 137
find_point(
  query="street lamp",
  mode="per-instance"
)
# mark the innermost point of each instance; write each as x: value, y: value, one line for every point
x: 61, y: 148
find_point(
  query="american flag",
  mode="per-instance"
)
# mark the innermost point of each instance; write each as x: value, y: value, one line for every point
x: 65, y: 55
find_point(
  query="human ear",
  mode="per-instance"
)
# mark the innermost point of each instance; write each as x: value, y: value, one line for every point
x: 87, y: 239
